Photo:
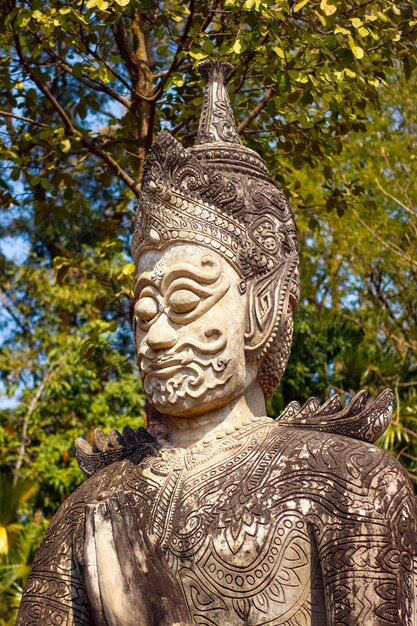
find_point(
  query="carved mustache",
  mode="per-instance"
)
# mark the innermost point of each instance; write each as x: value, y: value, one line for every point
x: 185, y: 351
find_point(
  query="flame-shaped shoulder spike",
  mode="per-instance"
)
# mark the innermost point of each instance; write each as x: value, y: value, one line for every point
x: 217, y: 123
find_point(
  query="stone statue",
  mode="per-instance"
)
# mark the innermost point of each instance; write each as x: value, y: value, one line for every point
x: 231, y: 518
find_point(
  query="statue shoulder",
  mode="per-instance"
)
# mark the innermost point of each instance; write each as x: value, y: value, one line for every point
x: 106, y: 450
x: 107, y: 463
x: 329, y: 461
x: 109, y: 469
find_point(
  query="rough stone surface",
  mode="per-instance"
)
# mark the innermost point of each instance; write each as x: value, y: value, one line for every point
x: 231, y: 518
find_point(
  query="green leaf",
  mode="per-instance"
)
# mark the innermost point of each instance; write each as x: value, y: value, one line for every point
x: 45, y: 183
x: 65, y: 145
x: 198, y: 56
x: 252, y: 4
x: 357, y: 50
x: 105, y: 327
x: 105, y: 75
x: 339, y: 29
x: 45, y: 133
x: 328, y: 172
x: 122, y: 3
x: 178, y: 79
x: 59, y: 262
x: 128, y: 269
x: 283, y: 81
x: 22, y: 20
x: 328, y: 8
x: 77, y: 70
x: 68, y: 193
x: 279, y: 52
x: 237, y: 46
x: 300, y: 5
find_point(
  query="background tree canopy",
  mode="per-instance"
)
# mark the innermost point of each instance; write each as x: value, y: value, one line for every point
x: 323, y: 90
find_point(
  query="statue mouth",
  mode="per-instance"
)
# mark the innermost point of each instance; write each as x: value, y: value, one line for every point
x: 193, y: 351
x: 164, y: 365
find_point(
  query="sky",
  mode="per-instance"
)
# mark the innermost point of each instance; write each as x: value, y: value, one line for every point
x: 14, y: 249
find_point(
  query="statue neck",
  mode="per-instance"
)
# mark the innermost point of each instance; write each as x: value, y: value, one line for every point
x: 184, y: 432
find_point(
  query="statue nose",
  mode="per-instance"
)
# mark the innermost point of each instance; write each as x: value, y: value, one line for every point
x: 161, y: 335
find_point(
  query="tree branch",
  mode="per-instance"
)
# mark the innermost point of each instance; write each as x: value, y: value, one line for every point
x: 396, y: 200
x: 12, y: 314
x: 385, y: 243
x: 32, y: 406
x: 95, y: 84
x: 118, y: 76
x: 42, y: 87
x: 268, y: 95
x: 23, y: 119
x: 381, y: 297
x: 70, y: 129
x: 124, y: 48
x: 183, y: 45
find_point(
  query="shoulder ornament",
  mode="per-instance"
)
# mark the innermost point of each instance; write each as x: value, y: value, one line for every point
x: 135, y: 445
x: 360, y: 419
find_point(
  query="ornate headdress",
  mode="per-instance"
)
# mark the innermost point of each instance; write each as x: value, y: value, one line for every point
x: 219, y: 194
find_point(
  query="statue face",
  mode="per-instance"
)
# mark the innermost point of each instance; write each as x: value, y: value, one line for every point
x: 190, y: 325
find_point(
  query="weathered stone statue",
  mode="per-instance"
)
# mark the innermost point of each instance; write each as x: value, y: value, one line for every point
x: 235, y: 518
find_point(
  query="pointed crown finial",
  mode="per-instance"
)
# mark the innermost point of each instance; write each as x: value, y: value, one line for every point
x: 217, y: 122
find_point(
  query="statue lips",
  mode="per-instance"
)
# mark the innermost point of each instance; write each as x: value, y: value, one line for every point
x: 165, y: 365
x: 183, y: 369
x: 149, y: 363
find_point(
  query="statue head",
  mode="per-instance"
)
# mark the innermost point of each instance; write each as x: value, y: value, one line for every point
x: 215, y: 246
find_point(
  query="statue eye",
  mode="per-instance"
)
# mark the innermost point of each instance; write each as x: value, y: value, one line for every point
x: 183, y: 301
x: 146, y: 308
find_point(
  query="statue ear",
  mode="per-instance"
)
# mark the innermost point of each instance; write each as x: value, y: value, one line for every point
x: 269, y: 300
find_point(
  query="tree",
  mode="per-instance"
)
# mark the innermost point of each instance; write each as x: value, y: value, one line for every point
x: 365, y: 262
x: 18, y: 542
x: 84, y: 88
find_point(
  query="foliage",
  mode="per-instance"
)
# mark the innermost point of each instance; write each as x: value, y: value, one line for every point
x: 11, y: 497
x: 322, y: 89
x: 360, y: 271
x: 20, y: 532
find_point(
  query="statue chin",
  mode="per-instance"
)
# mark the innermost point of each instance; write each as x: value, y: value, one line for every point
x: 192, y: 391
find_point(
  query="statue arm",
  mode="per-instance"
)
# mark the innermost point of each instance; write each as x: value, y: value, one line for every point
x: 96, y: 566
x: 50, y: 599
x: 126, y: 574
x: 368, y: 567
x: 54, y: 593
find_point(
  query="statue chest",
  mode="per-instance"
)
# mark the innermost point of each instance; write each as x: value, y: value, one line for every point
x: 243, y: 557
